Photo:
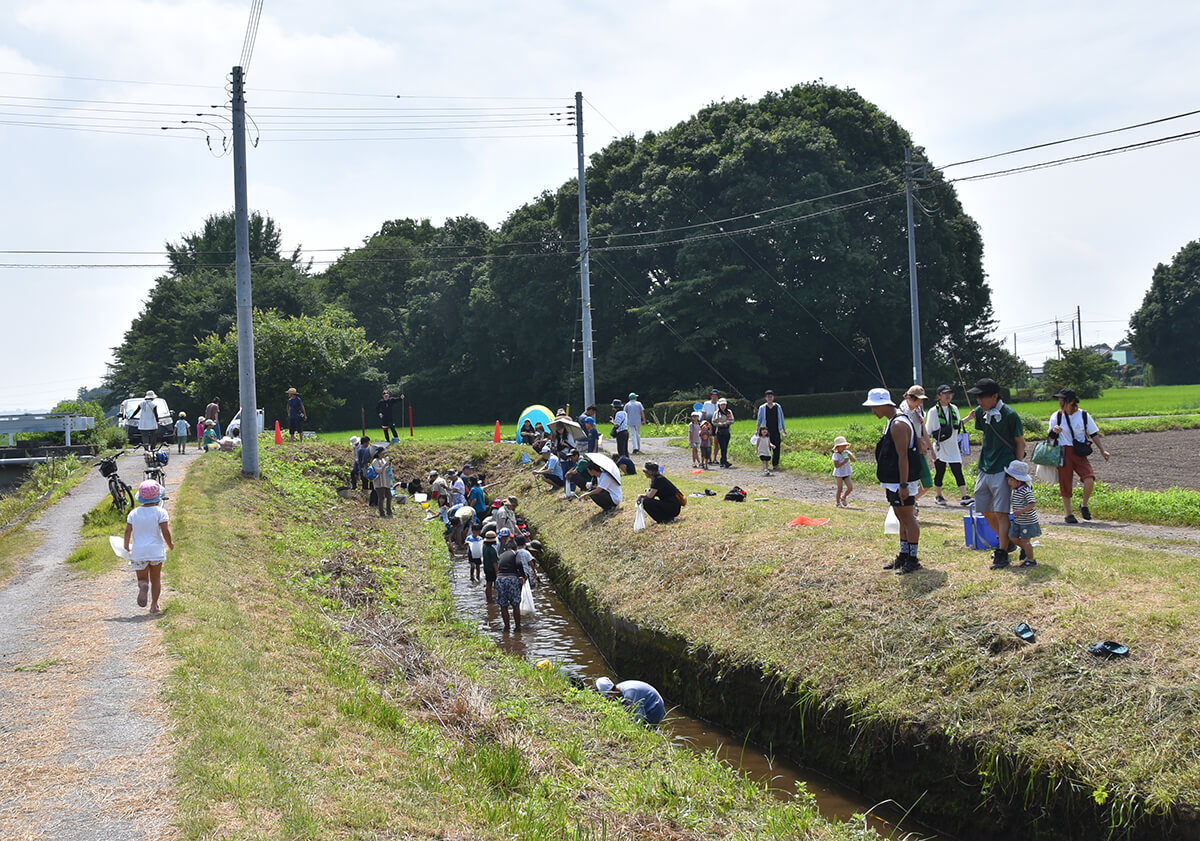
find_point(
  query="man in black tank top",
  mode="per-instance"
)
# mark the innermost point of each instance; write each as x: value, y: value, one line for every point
x: 898, y: 468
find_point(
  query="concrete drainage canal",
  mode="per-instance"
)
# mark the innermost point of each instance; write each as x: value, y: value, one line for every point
x: 554, y: 634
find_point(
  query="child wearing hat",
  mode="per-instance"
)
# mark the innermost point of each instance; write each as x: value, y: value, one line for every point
x: 147, y: 539
x: 1025, y: 526
x: 842, y: 470
x: 210, y: 435
x: 182, y: 428
x: 694, y: 438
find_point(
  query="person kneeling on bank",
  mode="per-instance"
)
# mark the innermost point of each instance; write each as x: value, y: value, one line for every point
x: 642, y: 699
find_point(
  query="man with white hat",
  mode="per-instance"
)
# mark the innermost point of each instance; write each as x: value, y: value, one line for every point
x: 898, y: 468
x: 635, y: 413
x: 148, y: 421
x: 643, y: 700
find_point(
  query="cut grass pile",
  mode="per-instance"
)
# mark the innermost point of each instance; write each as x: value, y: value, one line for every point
x: 325, y: 687
x: 934, y: 650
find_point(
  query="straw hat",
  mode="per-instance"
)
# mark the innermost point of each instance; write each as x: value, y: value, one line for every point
x: 489, y: 537
x: 840, y: 441
x: 291, y: 391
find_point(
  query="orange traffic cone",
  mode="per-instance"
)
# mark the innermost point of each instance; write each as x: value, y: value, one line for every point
x: 278, y: 434
x: 496, y: 434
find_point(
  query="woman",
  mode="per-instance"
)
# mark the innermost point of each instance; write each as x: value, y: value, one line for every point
x: 661, y: 499
x: 942, y: 425
x: 1076, y: 433
x: 527, y: 432
x: 722, y: 421
x: 607, y: 493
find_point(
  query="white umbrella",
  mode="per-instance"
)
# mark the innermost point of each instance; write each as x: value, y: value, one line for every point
x: 606, y: 464
x: 568, y: 425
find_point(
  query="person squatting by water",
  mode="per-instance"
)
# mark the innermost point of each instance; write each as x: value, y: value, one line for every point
x: 643, y: 700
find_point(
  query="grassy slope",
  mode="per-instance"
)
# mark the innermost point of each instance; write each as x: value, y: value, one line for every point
x: 325, y: 689
x: 934, y: 648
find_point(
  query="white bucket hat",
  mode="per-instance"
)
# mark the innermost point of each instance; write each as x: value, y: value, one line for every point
x: 604, y: 684
x: 1019, y: 470
x: 878, y: 397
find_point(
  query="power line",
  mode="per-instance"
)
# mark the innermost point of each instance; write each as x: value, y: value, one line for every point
x: 251, y: 35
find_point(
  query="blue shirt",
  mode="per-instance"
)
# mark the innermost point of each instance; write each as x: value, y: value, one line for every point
x: 643, y: 700
x: 295, y: 408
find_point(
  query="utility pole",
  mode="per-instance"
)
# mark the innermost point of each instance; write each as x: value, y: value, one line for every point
x: 1014, y: 344
x: 585, y: 286
x: 1057, y: 339
x: 247, y: 391
x: 1079, y: 321
x: 913, y: 172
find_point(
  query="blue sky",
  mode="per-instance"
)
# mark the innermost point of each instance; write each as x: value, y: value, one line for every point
x: 964, y: 79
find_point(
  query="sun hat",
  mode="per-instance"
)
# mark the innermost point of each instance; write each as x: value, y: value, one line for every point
x: 291, y: 391
x: 915, y: 391
x: 840, y: 441
x: 604, y: 685
x: 433, y: 474
x: 944, y: 389
x: 632, y: 395
x: 1019, y: 470
x: 149, y: 492
x: 150, y: 395
x: 545, y: 449
x: 695, y: 414
x: 489, y: 537
x: 512, y: 500
x: 878, y: 397
x: 984, y: 387
x: 183, y: 414
x: 722, y: 402
x: 617, y: 403
x: 354, y: 439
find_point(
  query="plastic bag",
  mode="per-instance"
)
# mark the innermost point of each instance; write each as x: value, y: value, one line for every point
x: 639, y: 519
x: 118, y: 547
x: 754, y: 440
x: 891, y: 525
x: 527, y: 608
x: 964, y: 443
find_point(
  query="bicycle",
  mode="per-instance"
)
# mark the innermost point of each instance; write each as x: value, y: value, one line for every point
x: 121, y: 493
x: 156, y: 462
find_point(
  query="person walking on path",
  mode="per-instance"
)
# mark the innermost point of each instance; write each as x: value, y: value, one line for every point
x: 661, y: 500
x: 384, y: 409
x: 770, y: 415
x: 620, y: 428
x: 898, y: 470
x: 722, y: 421
x: 942, y: 425
x: 913, y: 407
x: 148, y: 421
x: 1003, y: 443
x: 212, y: 412
x: 182, y: 427
x: 296, y: 415
x: 147, y: 539
x: 842, y: 470
x: 635, y: 412
x: 1077, y: 434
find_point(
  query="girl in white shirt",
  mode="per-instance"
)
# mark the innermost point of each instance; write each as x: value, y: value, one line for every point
x: 147, y: 539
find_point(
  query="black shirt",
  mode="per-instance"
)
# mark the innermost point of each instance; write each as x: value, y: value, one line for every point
x: 384, y: 409
x: 509, y: 565
x: 665, y: 491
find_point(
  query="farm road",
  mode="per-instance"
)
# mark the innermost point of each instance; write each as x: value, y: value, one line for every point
x: 85, y: 748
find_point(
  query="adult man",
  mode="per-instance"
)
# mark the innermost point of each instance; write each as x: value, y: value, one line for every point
x: 296, y: 415
x: 1003, y: 443
x: 636, y: 413
x: 770, y: 415
x: 148, y: 421
x: 643, y: 700
x: 552, y: 473
x: 212, y: 412
x: 1076, y: 432
x: 620, y: 428
x: 384, y: 409
x: 710, y: 406
x: 898, y: 470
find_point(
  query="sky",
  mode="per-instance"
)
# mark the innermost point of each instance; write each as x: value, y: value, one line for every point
x: 965, y: 79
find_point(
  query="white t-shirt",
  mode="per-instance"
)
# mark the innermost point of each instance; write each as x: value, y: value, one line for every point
x: 1072, y: 427
x: 608, y: 483
x: 947, y: 450
x: 708, y: 410
x: 147, y: 415
x: 147, y: 542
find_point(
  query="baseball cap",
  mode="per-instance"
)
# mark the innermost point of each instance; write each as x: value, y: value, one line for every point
x: 984, y: 387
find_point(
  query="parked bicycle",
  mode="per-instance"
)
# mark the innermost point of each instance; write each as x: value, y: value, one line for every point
x: 121, y: 493
x: 156, y: 463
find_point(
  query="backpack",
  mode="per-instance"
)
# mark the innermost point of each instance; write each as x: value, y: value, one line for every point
x: 736, y: 494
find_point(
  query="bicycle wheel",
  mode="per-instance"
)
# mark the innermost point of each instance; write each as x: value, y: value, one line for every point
x: 119, y: 491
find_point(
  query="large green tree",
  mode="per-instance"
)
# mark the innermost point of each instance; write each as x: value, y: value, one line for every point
x: 1163, y: 330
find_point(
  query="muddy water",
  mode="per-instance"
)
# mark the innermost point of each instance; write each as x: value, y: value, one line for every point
x: 555, y: 635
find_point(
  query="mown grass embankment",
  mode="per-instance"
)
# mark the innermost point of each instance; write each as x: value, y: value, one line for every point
x: 929, y: 656
x: 325, y: 688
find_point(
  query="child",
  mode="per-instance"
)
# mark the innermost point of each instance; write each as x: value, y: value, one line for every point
x: 842, y: 470
x: 182, y: 427
x: 210, y: 435
x: 354, y: 461
x: 763, y: 446
x: 147, y: 539
x: 706, y: 437
x: 694, y: 438
x: 379, y: 485
x: 1025, y: 525
x: 475, y: 551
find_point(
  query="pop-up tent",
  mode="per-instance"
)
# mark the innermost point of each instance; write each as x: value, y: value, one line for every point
x: 537, y: 413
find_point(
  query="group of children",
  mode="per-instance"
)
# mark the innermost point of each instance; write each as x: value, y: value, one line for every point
x: 206, y: 434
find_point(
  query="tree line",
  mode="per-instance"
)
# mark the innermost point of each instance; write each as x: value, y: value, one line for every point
x: 756, y: 244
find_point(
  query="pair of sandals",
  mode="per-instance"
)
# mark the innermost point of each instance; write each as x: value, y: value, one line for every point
x: 1106, y: 648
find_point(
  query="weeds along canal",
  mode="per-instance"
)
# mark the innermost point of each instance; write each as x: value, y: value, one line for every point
x: 554, y: 634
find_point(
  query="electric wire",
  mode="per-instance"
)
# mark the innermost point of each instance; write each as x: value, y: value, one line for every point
x: 252, y: 22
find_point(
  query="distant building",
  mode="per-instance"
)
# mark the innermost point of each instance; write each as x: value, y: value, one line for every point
x: 1122, y: 354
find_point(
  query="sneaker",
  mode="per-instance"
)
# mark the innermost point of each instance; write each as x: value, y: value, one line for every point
x: 941, y: 500
x: 766, y: 472
x: 911, y: 565
x: 966, y: 500
x: 1028, y: 562
x: 1071, y: 519
x: 899, y: 561
x: 1086, y: 512
x: 999, y: 559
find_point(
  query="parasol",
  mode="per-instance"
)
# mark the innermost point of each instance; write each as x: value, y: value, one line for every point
x: 568, y: 425
x: 606, y: 464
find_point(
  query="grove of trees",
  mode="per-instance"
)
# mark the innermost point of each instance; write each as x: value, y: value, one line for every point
x: 1163, y: 330
x: 755, y: 244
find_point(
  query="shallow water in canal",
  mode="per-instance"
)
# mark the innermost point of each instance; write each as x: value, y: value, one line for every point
x: 553, y: 634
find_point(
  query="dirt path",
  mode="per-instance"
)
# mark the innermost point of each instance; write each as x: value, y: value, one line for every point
x: 1146, y: 449
x: 85, y: 749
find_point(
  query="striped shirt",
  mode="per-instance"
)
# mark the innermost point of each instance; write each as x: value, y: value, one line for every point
x: 1021, y: 497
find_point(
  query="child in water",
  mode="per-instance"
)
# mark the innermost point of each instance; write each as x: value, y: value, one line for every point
x: 842, y: 470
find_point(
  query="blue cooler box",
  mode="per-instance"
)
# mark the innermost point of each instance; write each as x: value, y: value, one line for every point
x: 977, y: 532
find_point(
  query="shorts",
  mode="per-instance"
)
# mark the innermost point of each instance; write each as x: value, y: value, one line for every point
x: 295, y: 425
x: 1024, y: 531
x: 992, y: 493
x: 1072, y: 463
x: 489, y: 573
x: 138, y: 566
x: 508, y: 591
x: 557, y: 481
x: 892, y: 492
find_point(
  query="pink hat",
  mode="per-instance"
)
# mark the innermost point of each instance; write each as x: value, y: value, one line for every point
x: 149, y: 492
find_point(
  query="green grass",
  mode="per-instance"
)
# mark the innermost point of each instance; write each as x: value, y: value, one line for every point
x: 325, y: 687
x: 40, y: 666
x: 94, y: 556
x: 1126, y: 402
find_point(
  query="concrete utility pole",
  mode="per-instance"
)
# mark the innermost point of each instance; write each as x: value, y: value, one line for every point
x: 1079, y: 322
x: 585, y: 286
x: 247, y: 391
x: 913, y: 172
x: 1057, y: 339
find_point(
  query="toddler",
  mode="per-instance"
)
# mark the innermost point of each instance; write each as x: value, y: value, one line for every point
x: 706, y: 437
x: 842, y: 470
x: 694, y: 438
x: 1025, y: 526
x: 475, y: 551
x: 763, y: 447
x: 181, y: 432
x: 147, y: 539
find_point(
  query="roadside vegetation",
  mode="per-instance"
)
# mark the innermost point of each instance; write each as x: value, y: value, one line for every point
x: 46, y: 484
x: 325, y: 687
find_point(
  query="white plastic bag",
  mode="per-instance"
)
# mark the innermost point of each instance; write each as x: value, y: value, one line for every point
x: 527, y: 608
x: 754, y: 440
x: 891, y: 525
x: 118, y: 547
x: 639, y: 519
